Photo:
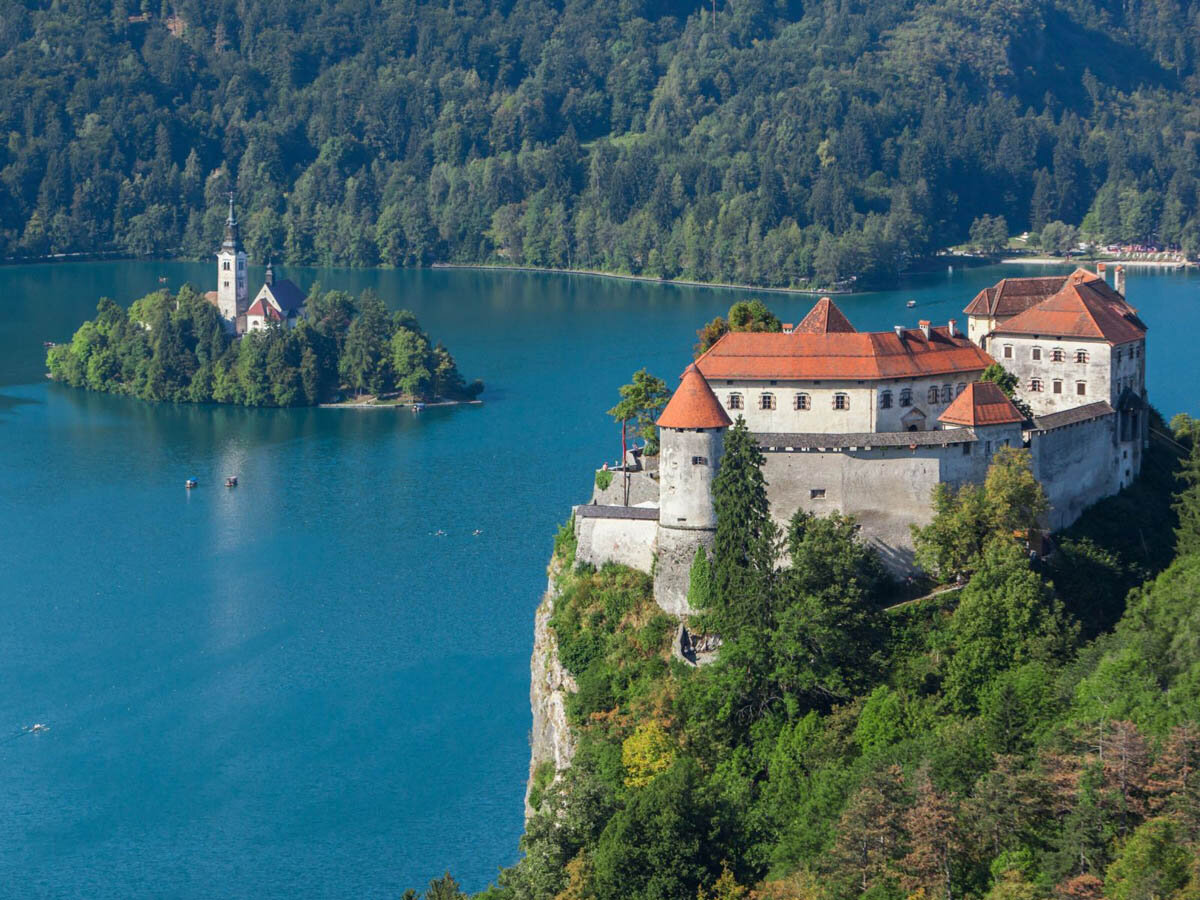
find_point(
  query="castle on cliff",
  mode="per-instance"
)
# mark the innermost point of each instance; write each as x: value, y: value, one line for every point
x: 867, y: 423
x: 278, y: 301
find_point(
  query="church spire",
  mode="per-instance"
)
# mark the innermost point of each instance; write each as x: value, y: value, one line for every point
x: 233, y: 237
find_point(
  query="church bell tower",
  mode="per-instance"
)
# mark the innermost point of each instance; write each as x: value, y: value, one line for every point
x: 233, y: 296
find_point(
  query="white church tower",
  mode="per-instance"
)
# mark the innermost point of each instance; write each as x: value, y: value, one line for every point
x: 233, y: 295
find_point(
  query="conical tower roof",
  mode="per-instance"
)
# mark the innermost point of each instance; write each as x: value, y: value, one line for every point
x: 693, y: 405
x: 233, y: 236
x: 824, y: 318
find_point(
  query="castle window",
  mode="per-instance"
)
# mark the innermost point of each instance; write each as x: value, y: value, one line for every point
x: 945, y: 393
x: 1056, y: 385
x: 933, y: 394
x: 1037, y: 353
x: 1118, y: 354
x: 766, y: 401
x: 1035, y: 385
x: 1081, y: 388
x: 1081, y: 356
x: 906, y: 397
x: 802, y: 401
x: 841, y: 401
x: 734, y: 401
x: 1057, y: 355
x: 816, y: 494
x: 966, y: 449
x: 959, y: 388
x: 885, y: 400
x: 699, y: 460
x: 1008, y: 351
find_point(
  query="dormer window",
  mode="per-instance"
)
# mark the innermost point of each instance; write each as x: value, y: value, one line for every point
x: 1037, y: 354
x: 906, y: 397
x: 1036, y: 385
x: 1081, y: 356
x: 885, y: 400
x: 766, y: 401
x: 1057, y: 355
x: 841, y: 401
x: 802, y: 402
x: 734, y: 401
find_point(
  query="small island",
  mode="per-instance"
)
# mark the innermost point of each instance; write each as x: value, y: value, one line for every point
x: 284, y: 349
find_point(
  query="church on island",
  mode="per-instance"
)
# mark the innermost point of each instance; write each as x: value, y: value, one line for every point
x: 868, y: 423
x: 278, y: 302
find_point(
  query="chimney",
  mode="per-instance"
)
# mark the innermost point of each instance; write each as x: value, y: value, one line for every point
x: 899, y: 331
x: 952, y: 329
x: 1119, y: 280
x: 1102, y: 271
x: 925, y: 329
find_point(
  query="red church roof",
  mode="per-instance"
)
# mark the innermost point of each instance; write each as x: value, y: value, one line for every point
x: 693, y: 405
x: 1085, y: 307
x: 824, y: 318
x: 841, y: 355
x: 982, y: 403
x: 258, y: 308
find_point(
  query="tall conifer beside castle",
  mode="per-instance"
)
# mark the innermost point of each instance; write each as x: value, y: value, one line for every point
x: 745, y: 546
x: 1187, y: 502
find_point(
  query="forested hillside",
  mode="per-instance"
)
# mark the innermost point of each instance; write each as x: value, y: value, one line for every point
x: 780, y: 142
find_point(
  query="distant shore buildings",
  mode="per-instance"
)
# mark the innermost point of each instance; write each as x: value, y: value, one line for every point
x: 278, y: 302
x: 868, y: 423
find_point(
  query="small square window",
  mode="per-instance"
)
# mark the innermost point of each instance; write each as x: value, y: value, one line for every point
x: 766, y: 401
x: 699, y: 460
x: 816, y: 494
x: 1081, y: 388
x: 1037, y: 353
x: 1008, y: 351
x: 1057, y: 386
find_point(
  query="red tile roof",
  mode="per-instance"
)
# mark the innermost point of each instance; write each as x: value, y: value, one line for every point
x: 841, y: 355
x: 1086, y: 307
x: 693, y: 405
x: 824, y: 318
x: 264, y: 309
x: 982, y: 403
x: 1011, y: 296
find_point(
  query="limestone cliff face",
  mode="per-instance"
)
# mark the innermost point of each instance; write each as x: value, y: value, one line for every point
x: 549, y: 684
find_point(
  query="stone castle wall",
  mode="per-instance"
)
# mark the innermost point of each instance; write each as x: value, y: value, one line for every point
x: 1076, y: 466
x: 622, y: 535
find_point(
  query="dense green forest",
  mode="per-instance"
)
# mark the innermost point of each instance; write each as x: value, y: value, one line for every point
x: 1032, y: 735
x: 175, y: 347
x: 784, y: 142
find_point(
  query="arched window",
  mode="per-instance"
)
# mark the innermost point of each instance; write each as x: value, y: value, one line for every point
x: 1035, y: 385
x: 841, y: 401
x: 906, y: 397
x: 933, y: 394
x: 766, y: 401
x: 1081, y: 356
x: 734, y: 401
x: 1057, y: 355
x: 1056, y: 386
x: 885, y: 400
x: 959, y: 388
x: 225, y: 265
x: 945, y: 393
x: 802, y: 402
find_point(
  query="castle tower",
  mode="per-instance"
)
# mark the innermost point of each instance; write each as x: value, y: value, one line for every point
x: 233, y: 295
x: 692, y: 438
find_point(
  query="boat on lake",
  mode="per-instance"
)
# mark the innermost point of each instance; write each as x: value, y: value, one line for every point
x: 231, y: 481
x: 190, y: 483
x: 911, y: 303
x: 418, y: 407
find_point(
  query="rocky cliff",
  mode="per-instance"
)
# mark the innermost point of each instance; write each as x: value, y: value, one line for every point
x: 549, y: 684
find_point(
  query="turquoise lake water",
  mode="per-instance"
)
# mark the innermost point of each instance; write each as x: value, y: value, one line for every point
x: 295, y: 688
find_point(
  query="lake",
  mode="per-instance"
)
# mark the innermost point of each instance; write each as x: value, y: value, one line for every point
x: 296, y: 687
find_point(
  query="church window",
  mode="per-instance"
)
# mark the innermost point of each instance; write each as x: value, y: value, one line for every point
x: 802, y: 401
x: 766, y: 401
x: 1037, y: 353
x: 1008, y: 351
x: 241, y: 264
x: 906, y: 397
x: 1057, y: 355
x: 945, y: 393
x: 816, y: 494
x: 1081, y: 356
x: 933, y: 394
x: 699, y: 460
x: 225, y: 265
x: 735, y: 401
x: 1056, y: 385
x: 1081, y: 388
x: 885, y: 400
x: 841, y: 401
x: 1035, y: 385
x: 959, y: 388
x: 226, y: 284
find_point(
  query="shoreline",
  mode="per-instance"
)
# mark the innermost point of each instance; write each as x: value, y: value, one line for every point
x: 1127, y: 263
x: 678, y: 282
x: 396, y: 404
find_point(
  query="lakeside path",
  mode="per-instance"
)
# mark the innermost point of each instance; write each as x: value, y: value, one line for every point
x: 682, y: 282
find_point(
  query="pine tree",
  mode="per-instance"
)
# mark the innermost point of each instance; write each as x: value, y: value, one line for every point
x: 1187, y: 503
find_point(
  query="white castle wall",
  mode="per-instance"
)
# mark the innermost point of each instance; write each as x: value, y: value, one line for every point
x: 627, y: 541
x: 1094, y: 373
